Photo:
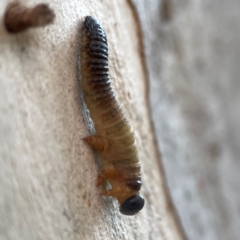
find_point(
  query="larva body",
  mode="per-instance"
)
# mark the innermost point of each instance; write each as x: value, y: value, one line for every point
x: 114, y: 137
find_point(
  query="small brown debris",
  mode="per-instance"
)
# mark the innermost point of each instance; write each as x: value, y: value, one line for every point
x: 84, y: 195
x: 89, y: 203
x: 19, y: 18
x: 166, y: 10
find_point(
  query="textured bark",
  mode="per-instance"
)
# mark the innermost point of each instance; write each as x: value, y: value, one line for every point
x: 48, y: 175
x: 193, y: 62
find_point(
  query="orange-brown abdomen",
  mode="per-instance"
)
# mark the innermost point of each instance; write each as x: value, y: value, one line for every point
x: 114, y: 137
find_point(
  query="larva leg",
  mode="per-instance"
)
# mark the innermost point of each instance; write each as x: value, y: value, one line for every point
x: 114, y: 192
x: 108, y: 172
x: 97, y: 142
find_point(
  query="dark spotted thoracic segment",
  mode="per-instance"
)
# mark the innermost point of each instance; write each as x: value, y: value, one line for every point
x: 114, y: 137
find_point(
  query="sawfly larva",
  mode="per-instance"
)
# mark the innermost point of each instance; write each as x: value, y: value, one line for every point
x: 114, y: 138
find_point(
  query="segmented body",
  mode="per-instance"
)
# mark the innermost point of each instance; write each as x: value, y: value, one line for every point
x: 114, y: 137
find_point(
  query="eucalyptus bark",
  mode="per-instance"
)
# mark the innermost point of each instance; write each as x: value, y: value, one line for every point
x: 48, y: 175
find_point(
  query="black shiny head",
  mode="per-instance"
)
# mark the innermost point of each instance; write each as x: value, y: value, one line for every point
x: 132, y: 205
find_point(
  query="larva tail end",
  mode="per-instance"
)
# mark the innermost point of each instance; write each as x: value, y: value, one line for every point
x: 90, y: 22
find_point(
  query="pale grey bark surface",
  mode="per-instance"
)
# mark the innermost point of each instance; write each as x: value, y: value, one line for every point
x: 193, y: 61
x: 47, y: 174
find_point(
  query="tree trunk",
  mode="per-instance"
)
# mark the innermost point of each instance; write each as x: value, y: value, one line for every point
x: 48, y: 175
x: 193, y: 63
